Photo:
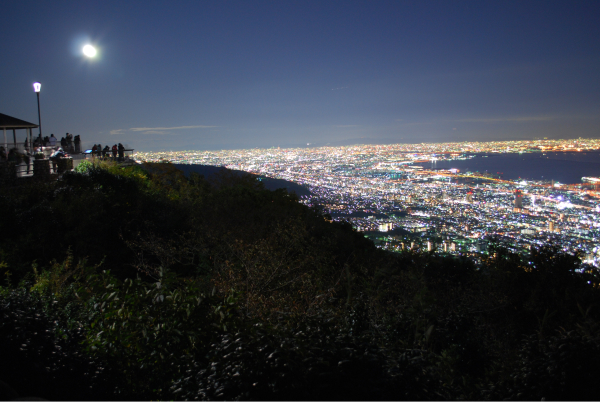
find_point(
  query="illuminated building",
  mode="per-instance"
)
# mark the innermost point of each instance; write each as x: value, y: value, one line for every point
x: 470, y: 197
x: 518, y: 199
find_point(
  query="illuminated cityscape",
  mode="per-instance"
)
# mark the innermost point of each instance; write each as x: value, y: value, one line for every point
x: 384, y: 192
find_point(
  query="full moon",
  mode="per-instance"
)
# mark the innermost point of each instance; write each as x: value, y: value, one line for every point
x: 89, y: 50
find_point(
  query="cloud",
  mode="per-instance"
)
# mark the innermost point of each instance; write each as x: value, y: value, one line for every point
x: 507, y: 119
x: 417, y: 123
x: 155, y: 130
x: 168, y: 128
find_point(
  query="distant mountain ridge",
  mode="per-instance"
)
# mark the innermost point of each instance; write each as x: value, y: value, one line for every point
x: 268, y: 182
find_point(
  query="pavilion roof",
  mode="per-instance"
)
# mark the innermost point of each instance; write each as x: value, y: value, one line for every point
x: 10, y: 122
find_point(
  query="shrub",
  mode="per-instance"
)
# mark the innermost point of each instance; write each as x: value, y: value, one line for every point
x: 37, y: 362
x: 561, y: 367
x: 316, y: 360
x: 145, y: 328
x: 83, y: 167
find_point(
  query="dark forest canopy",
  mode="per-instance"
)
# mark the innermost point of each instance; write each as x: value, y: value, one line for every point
x: 142, y: 283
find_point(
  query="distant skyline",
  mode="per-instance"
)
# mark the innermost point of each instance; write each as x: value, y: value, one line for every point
x: 201, y: 75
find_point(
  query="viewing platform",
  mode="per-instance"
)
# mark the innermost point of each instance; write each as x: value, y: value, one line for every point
x: 19, y: 163
x: 49, y: 158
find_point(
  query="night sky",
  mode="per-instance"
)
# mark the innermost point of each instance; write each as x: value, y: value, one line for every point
x: 242, y: 74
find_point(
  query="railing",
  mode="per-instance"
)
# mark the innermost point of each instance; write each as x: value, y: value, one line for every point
x: 30, y: 167
x: 71, y: 148
x: 125, y: 155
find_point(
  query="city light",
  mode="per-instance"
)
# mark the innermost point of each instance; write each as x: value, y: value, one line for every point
x: 397, y: 197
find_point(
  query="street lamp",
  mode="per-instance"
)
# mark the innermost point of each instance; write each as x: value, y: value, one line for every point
x: 37, y: 87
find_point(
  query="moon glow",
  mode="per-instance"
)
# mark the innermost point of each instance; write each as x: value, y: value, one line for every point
x: 89, y: 51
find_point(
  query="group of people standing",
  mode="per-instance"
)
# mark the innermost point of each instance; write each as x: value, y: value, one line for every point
x: 69, y: 142
x: 119, y: 150
x: 15, y: 156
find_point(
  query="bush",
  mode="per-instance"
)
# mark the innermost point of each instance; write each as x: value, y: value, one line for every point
x: 37, y: 362
x: 143, y: 329
x: 83, y: 167
x: 314, y: 361
x: 561, y: 367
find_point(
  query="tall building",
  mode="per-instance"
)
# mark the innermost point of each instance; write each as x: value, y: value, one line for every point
x: 551, y: 226
x: 518, y: 199
x: 470, y: 197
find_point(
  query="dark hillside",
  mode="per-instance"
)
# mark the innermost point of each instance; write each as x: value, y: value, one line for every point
x: 145, y: 283
x: 268, y: 182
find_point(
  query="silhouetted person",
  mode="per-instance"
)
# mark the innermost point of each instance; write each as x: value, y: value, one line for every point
x: 52, y: 140
x: 12, y: 155
x: 69, y: 138
x: 77, y: 142
x: 27, y: 159
x: 121, y: 152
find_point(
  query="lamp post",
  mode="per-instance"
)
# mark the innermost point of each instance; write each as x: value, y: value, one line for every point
x: 37, y: 87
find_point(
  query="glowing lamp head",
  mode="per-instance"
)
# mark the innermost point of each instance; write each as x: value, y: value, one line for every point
x: 37, y: 86
x: 89, y: 51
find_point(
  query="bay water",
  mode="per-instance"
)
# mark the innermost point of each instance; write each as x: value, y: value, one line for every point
x: 563, y: 167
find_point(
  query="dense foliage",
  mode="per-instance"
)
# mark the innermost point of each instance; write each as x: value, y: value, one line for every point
x: 140, y: 283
